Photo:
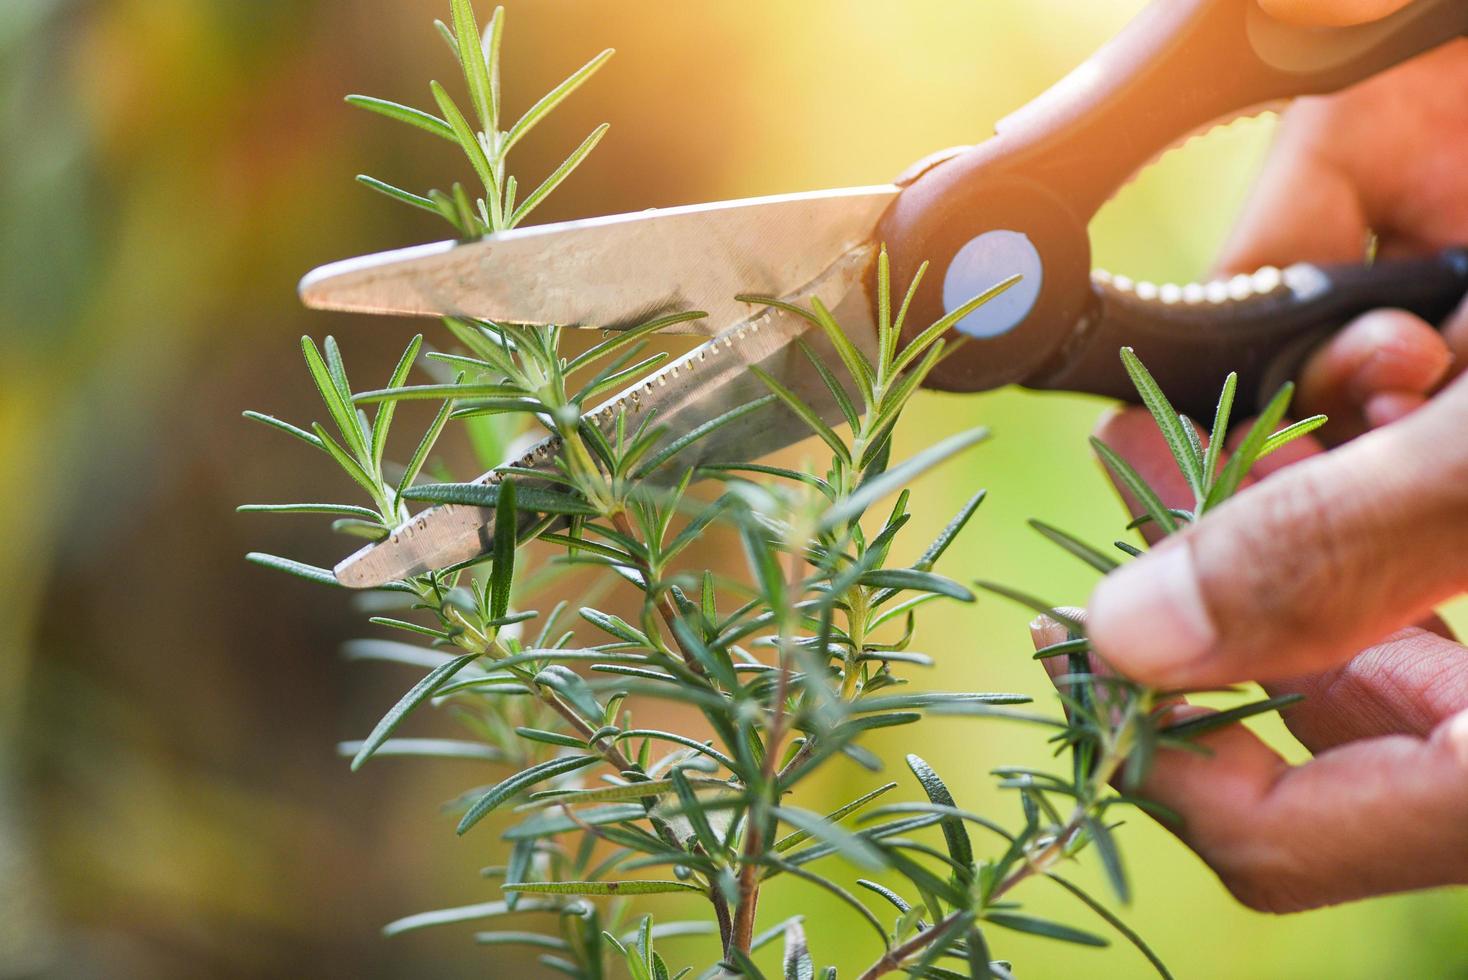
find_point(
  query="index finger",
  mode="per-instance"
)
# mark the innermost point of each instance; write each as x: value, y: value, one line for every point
x: 1365, y: 818
x: 1368, y: 818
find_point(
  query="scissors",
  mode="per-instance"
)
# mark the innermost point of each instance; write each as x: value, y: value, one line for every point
x: 1018, y: 203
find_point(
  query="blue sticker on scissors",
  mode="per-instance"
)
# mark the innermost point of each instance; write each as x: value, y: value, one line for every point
x: 984, y: 262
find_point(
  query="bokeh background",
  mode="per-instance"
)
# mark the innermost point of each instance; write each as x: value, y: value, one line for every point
x: 171, y: 802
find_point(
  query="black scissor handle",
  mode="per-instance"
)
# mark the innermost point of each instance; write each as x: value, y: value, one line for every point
x: 1261, y: 326
x: 1180, y: 66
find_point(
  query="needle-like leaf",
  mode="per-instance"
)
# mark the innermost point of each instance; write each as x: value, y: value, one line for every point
x: 471, y: 57
x: 900, y: 476
x: 1097, y: 559
x: 337, y: 405
x: 502, y: 572
x: 366, y: 513
x: 308, y: 438
x: 600, y: 887
x: 838, y: 393
x: 425, y: 446
x: 959, y: 846
x: 1146, y: 496
x: 343, y: 459
x: 416, y: 695
x: 465, y: 136
x: 850, y: 846
x: 1044, y: 927
x: 1248, y: 451
x: 1289, y: 434
x: 463, y: 913
x: 1129, y: 934
x: 413, y: 117
x: 1038, y: 605
x: 383, y: 420
x: 919, y: 344
x: 1110, y: 858
x: 1176, y: 430
x: 913, y: 579
x: 807, y: 414
x: 311, y: 573
x: 488, y: 495
x: 397, y: 193
x: 698, y: 433
x: 835, y: 889
x: 1202, y: 724
x: 840, y: 813
x: 857, y: 364
x: 619, y: 340
x: 504, y: 790
x: 1219, y: 432
x: 567, y: 167
x: 553, y: 98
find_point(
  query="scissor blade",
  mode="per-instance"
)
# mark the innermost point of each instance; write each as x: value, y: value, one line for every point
x: 700, y: 386
x: 615, y: 271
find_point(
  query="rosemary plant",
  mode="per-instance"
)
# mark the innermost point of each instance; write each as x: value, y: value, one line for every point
x: 787, y: 665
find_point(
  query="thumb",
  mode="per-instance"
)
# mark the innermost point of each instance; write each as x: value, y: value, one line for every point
x: 1331, y: 13
x: 1302, y: 570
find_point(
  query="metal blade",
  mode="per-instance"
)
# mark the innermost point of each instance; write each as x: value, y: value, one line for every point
x: 701, y: 385
x: 616, y: 271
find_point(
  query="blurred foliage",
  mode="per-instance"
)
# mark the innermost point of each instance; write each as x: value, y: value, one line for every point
x: 170, y: 801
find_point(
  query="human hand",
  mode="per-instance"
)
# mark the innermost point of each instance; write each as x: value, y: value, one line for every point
x: 1389, y: 156
x: 1312, y: 581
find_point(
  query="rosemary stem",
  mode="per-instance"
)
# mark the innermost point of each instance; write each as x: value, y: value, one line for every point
x: 892, y: 959
x: 665, y: 606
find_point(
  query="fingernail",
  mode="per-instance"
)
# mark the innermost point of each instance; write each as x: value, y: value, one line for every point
x: 1149, y: 620
x: 1045, y: 632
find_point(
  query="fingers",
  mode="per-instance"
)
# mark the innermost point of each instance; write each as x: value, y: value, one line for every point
x: 1370, y: 818
x: 1045, y: 632
x: 1406, y: 685
x: 1134, y: 434
x: 1304, y: 207
x: 1383, y: 156
x: 1375, y: 371
x: 1303, y: 569
x: 1287, y: 455
x: 1331, y: 13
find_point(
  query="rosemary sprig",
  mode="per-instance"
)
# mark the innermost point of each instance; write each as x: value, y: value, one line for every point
x: 787, y: 664
x: 486, y: 145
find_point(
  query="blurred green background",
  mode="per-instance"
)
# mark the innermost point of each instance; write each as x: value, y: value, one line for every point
x: 171, y: 804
